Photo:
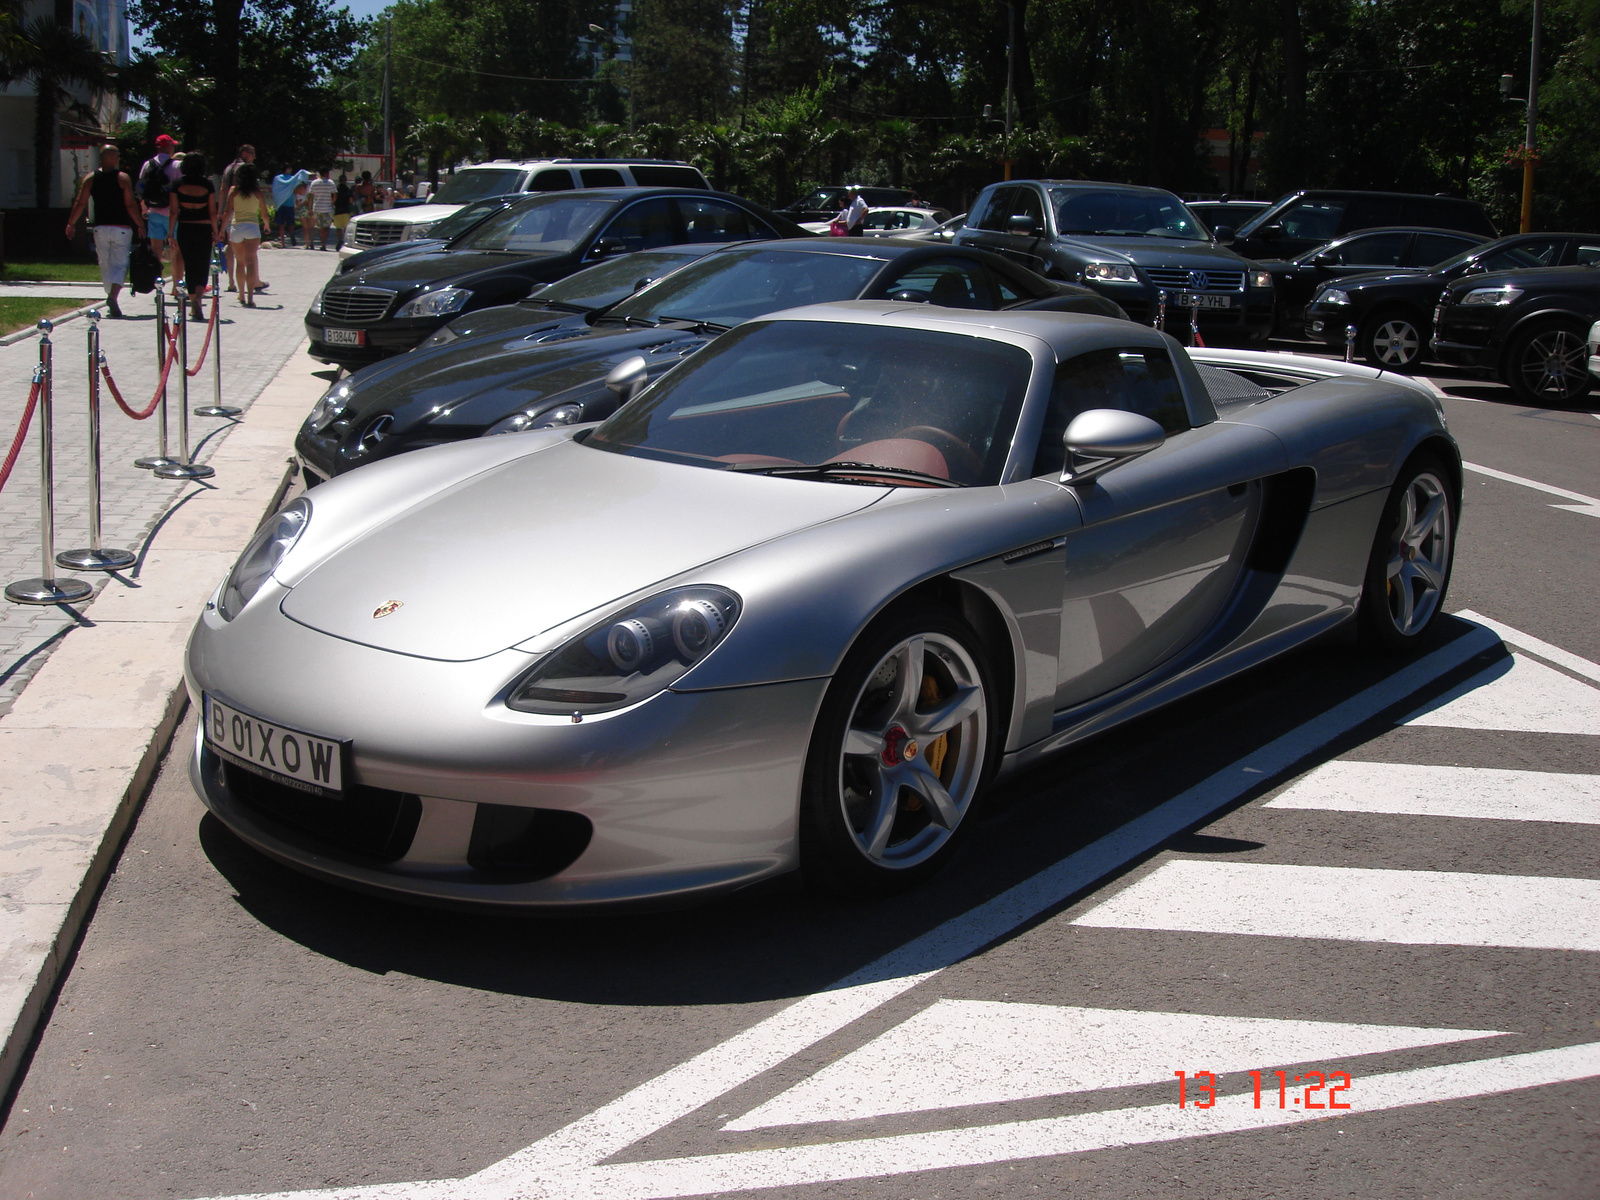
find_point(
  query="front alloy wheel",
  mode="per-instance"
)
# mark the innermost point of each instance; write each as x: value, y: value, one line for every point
x: 1551, y: 366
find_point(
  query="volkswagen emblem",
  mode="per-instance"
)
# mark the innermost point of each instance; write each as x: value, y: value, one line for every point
x: 387, y: 607
x: 1198, y: 280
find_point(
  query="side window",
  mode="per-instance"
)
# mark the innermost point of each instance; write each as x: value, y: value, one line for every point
x: 1586, y: 252
x: 1378, y: 250
x: 601, y: 177
x: 645, y: 225
x: 1004, y: 291
x: 948, y: 283
x: 994, y: 217
x: 646, y: 175
x: 1140, y: 381
x: 552, y: 180
x: 1370, y: 212
x: 1535, y: 252
x: 1028, y: 204
x: 717, y: 221
x: 1434, y: 248
x: 1315, y: 220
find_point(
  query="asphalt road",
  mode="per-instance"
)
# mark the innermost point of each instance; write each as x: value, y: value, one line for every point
x: 230, y: 1027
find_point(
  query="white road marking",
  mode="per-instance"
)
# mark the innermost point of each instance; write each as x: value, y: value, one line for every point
x: 870, y: 1158
x: 963, y: 1052
x: 1587, y: 505
x: 548, y: 1165
x: 1551, y: 654
x: 1479, y: 792
x: 1516, y: 694
x: 1418, y: 908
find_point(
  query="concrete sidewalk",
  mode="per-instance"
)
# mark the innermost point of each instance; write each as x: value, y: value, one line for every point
x: 83, y: 740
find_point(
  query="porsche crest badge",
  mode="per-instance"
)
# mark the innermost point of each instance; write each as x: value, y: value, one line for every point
x: 384, y: 609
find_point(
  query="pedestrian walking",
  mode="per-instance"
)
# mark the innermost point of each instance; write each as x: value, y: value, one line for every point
x: 283, y: 190
x: 249, y: 215
x: 230, y: 178
x: 154, y: 189
x: 320, y: 193
x: 342, y: 201
x: 302, y: 211
x: 116, y: 217
x: 197, y: 228
x: 854, y: 214
x: 366, y: 194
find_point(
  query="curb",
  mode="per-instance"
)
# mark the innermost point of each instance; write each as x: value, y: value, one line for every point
x: 84, y: 740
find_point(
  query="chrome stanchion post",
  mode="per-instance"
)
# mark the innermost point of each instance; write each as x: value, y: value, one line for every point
x: 1161, y: 310
x: 216, y: 408
x: 1349, y: 343
x: 46, y: 589
x: 160, y: 457
x: 1194, y: 325
x: 183, y: 468
x: 96, y: 557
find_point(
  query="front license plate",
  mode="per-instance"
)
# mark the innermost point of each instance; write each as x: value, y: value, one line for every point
x: 1201, y: 300
x: 345, y: 337
x: 289, y: 756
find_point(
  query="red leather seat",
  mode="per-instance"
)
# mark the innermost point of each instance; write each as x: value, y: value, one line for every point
x: 908, y: 454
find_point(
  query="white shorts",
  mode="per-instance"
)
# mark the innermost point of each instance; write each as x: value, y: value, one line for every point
x: 244, y: 231
x: 111, y: 245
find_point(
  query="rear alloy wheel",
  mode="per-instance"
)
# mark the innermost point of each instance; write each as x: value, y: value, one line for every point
x: 1393, y: 342
x: 1549, y: 366
x: 901, y: 749
x: 1408, y: 573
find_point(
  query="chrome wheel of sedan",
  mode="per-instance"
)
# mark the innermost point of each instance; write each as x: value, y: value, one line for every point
x: 1551, y: 365
x: 1409, y: 571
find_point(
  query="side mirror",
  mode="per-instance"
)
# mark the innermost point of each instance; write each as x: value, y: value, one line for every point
x: 1224, y: 235
x: 1324, y: 260
x: 628, y: 376
x: 909, y: 296
x: 1100, y: 438
x: 1473, y: 268
x: 606, y: 247
x: 1023, y: 224
x: 1270, y: 233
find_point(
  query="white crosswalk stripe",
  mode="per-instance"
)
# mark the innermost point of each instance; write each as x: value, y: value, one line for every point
x: 1517, y: 695
x: 1483, y: 793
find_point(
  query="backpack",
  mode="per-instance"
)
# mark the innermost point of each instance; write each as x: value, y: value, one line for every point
x: 154, y: 186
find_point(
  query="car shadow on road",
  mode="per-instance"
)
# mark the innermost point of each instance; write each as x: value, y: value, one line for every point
x: 778, y: 940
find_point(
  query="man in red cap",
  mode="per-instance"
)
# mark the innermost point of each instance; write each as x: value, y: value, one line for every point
x: 157, y: 178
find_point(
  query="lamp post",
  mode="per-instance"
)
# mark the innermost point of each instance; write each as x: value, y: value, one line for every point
x: 1530, y: 139
x: 615, y: 40
x: 1011, y: 55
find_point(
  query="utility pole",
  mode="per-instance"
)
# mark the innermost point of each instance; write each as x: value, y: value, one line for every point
x: 1010, y: 79
x: 1530, y: 140
x: 388, y: 41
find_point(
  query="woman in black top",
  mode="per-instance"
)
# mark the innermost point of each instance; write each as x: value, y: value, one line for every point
x: 197, y: 228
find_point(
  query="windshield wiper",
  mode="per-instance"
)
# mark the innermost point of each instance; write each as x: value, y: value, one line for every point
x: 697, y: 323
x: 641, y: 322
x: 559, y: 305
x: 834, y: 470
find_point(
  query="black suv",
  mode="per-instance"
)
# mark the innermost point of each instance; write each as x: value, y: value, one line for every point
x: 1527, y: 326
x: 1132, y: 245
x: 1304, y: 220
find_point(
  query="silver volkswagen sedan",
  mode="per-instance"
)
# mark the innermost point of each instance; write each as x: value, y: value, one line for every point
x: 798, y: 603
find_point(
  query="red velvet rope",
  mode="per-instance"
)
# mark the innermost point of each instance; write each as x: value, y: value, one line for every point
x: 166, y: 369
x: 191, y: 372
x: 22, y: 432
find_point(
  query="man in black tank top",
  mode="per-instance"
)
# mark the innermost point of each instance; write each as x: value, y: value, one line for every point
x: 116, y: 216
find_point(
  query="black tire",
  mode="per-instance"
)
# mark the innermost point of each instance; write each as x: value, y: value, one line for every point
x: 1408, y: 578
x: 1394, y: 340
x: 846, y: 799
x: 1548, y: 365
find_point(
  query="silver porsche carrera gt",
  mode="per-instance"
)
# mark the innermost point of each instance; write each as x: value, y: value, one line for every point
x: 797, y: 603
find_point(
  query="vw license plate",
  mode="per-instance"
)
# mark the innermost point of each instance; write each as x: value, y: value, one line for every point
x: 345, y: 337
x: 1201, y: 300
x: 299, y: 760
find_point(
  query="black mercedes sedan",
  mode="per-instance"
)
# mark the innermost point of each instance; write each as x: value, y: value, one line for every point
x: 1528, y: 327
x: 557, y: 375
x: 1138, y: 246
x: 363, y: 316
x: 1392, y: 311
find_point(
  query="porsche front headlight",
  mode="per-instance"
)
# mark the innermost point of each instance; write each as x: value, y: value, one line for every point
x: 262, y: 556
x: 436, y: 304
x: 630, y: 656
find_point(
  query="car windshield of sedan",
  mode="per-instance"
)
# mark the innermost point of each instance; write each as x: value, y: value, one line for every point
x: 842, y: 403
x: 1125, y: 214
x: 545, y: 225
x: 732, y: 286
x: 466, y: 186
x: 606, y: 283
x: 1506, y: 258
x: 464, y: 219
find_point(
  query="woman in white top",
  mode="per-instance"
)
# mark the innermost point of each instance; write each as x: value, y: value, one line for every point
x: 248, y: 211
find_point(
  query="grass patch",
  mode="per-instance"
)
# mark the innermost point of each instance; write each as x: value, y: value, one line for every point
x: 54, y: 272
x: 23, y: 312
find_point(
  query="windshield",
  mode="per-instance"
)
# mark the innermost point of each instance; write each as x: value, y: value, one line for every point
x: 1491, y: 258
x: 549, y: 224
x: 464, y: 219
x: 1125, y: 214
x: 475, y: 183
x: 735, y: 285
x: 794, y: 394
x: 609, y: 282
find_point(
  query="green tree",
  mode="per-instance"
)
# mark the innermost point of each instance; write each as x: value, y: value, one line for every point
x: 46, y: 53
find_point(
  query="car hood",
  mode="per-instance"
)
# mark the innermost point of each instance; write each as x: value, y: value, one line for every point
x: 368, y: 259
x: 546, y: 538
x: 511, y: 318
x: 469, y: 384
x: 1379, y: 278
x: 413, y: 214
x: 1548, y: 279
x: 459, y: 266
x: 1162, y: 252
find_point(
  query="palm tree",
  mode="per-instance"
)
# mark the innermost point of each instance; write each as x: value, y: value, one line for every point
x: 53, y: 58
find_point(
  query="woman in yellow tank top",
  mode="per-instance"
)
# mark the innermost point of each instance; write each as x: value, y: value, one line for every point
x: 248, y: 214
